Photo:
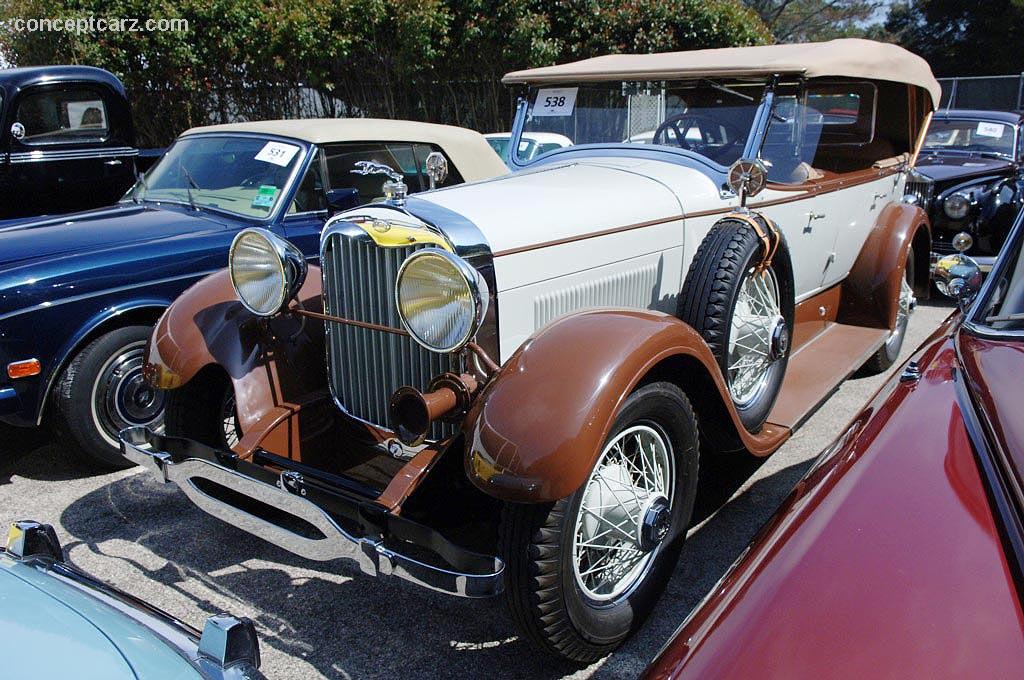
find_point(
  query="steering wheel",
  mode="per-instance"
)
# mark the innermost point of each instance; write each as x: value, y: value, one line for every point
x: 681, y: 123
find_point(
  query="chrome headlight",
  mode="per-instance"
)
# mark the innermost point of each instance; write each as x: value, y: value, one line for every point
x: 956, y: 206
x: 441, y: 299
x: 266, y: 271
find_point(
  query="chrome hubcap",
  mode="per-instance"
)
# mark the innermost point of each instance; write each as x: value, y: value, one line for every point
x: 758, y: 336
x: 625, y: 514
x: 122, y: 397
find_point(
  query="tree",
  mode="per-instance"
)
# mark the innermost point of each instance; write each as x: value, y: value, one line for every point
x: 809, y: 20
x: 962, y: 39
x: 434, y: 60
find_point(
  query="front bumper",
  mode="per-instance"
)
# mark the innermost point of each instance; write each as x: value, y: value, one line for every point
x: 443, y: 567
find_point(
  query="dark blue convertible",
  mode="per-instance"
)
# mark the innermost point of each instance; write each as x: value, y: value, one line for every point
x: 80, y: 293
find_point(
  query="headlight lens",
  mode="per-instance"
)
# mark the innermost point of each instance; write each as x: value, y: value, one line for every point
x: 441, y: 299
x: 956, y: 206
x: 266, y: 271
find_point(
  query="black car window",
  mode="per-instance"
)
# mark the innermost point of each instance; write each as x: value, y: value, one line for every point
x: 310, y: 197
x: 342, y: 159
x: 422, y: 151
x: 62, y: 116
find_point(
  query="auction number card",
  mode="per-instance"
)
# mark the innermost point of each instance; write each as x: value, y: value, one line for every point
x: 277, y: 153
x: 990, y: 129
x: 555, y: 101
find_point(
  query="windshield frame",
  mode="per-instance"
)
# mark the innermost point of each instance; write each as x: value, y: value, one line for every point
x: 755, y: 136
x: 926, y: 150
x: 286, y: 190
x: 974, y: 317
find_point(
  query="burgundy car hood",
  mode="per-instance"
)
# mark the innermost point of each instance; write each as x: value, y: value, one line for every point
x: 885, y: 562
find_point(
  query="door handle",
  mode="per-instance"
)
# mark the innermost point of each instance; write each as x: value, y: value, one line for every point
x: 115, y: 161
x: 878, y: 196
x: 815, y: 216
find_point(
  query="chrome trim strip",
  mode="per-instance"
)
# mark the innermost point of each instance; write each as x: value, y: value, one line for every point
x: 374, y: 558
x: 106, y: 291
x: 72, y: 154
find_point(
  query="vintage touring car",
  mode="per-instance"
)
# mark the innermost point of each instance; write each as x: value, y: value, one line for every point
x: 508, y: 385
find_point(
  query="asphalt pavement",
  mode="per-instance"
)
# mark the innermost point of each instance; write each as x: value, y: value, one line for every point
x: 328, y: 620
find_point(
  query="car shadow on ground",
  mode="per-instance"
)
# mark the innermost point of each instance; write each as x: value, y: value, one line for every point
x: 345, y: 624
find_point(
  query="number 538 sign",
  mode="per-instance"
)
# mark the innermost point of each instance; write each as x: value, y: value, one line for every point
x: 555, y: 101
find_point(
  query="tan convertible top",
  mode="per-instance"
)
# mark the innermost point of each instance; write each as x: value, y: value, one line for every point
x: 468, y: 150
x: 848, y: 57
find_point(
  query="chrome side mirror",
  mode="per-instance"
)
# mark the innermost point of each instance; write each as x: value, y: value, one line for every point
x: 959, y: 277
x: 437, y: 168
x: 747, y: 178
x: 18, y: 131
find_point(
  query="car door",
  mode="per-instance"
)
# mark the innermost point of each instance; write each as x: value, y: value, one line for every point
x: 306, y: 214
x: 806, y: 216
x: 68, y: 149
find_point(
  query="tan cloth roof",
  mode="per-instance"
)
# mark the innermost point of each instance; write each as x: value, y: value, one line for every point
x: 468, y: 150
x: 849, y: 57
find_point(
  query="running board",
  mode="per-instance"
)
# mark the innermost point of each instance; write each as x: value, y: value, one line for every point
x: 819, y: 367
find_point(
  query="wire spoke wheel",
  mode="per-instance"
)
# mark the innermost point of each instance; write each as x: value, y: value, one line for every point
x: 752, y: 335
x: 904, y: 307
x: 631, y: 483
x: 230, y: 427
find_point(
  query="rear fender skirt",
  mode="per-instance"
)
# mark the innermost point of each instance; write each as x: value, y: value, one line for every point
x: 870, y: 294
x: 535, y: 432
x: 275, y: 365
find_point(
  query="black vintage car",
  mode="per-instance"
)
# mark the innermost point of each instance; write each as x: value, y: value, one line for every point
x: 67, y: 142
x: 969, y: 177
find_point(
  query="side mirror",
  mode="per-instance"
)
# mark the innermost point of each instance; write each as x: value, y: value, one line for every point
x: 747, y: 178
x: 959, y: 277
x: 437, y: 168
x: 342, y: 199
x: 18, y: 131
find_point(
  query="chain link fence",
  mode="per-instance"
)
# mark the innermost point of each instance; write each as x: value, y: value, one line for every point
x: 998, y: 93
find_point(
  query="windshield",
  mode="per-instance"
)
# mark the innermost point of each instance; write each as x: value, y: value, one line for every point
x: 242, y: 175
x: 712, y: 119
x: 979, y: 136
x: 1003, y: 310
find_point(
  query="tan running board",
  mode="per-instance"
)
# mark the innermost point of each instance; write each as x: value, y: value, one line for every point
x: 818, y: 367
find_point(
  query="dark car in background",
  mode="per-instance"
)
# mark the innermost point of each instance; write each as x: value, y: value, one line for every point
x: 67, y: 141
x: 900, y: 554
x: 79, y: 293
x: 969, y: 179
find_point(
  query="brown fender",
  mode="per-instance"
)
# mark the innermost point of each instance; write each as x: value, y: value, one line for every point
x: 870, y: 293
x: 274, y: 366
x: 537, y: 429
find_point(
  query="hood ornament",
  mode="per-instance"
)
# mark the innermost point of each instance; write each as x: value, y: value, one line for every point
x: 395, y: 189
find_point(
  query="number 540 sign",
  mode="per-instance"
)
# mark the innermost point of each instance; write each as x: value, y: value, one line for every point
x: 555, y: 101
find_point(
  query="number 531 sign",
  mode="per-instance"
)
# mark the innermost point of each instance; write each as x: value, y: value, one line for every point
x: 555, y: 101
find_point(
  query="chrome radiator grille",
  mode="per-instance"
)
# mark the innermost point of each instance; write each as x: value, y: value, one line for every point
x: 367, y: 366
x: 923, y: 191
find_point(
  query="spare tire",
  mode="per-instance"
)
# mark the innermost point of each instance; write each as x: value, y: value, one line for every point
x: 743, y: 311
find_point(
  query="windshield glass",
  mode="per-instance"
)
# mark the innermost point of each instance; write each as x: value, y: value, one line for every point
x: 970, y: 135
x: 1004, y: 308
x: 242, y: 175
x: 712, y: 119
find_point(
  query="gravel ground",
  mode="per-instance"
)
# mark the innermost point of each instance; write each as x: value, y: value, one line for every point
x: 328, y: 620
